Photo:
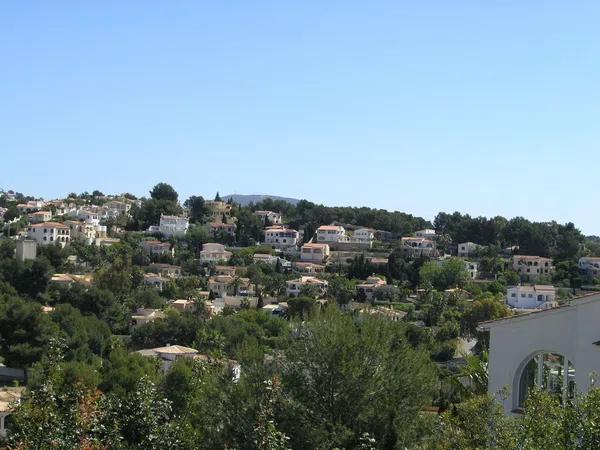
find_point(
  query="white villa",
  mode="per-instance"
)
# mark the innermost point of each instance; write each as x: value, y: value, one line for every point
x: 330, y: 233
x: 427, y: 233
x: 364, y: 235
x: 222, y: 229
x: 146, y: 315
x: 317, y: 253
x: 557, y: 349
x: 531, y: 268
x: 154, y: 247
x: 269, y: 217
x: 369, y: 287
x: 294, y: 287
x: 155, y: 280
x: 88, y: 231
x: 417, y: 246
x: 48, y: 233
x: 265, y: 258
x: 278, y: 236
x: 467, y: 249
x: 39, y: 216
x: 171, y: 226
x: 214, y: 253
x: 531, y: 297
x: 169, y: 354
x: 227, y: 285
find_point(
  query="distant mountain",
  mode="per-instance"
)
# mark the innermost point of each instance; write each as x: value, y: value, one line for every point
x: 244, y: 200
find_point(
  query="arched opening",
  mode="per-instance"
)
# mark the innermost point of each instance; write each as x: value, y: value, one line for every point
x: 549, y: 371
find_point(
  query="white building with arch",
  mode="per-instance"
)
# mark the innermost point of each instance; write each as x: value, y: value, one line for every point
x: 557, y: 349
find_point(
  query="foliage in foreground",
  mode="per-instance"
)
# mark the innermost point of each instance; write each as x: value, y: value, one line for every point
x: 480, y: 423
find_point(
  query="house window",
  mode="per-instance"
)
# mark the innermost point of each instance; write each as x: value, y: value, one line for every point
x: 550, y: 372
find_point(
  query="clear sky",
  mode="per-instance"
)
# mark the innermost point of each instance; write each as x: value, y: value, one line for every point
x: 486, y: 107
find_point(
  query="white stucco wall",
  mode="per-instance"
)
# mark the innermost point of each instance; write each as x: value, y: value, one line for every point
x: 569, y: 331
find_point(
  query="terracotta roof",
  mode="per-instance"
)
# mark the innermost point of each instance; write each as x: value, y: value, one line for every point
x: 526, y: 257
x: 329, y: 228
x: 308, y: 280
x: 315, y: 245
x: 49, y: 225
x: 175, y: 350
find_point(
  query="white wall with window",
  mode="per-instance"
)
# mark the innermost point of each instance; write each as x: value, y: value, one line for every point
x: 556, y: 349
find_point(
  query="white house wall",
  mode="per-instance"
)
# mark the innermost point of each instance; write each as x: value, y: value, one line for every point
x: 570, y: 331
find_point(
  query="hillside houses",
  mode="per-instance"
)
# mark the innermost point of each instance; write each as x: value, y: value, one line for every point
x: 337, y: 237
x: 30, y: 206
x: 532, y: 268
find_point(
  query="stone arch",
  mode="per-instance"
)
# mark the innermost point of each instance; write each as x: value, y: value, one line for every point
x: 551, y: 370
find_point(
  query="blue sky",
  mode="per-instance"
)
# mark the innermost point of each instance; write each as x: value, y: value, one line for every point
x: 483, y: 107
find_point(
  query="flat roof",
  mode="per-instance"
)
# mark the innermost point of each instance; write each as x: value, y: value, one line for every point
x: 586, y: 298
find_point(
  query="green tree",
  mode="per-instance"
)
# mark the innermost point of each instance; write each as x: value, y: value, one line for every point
x: 301, y: 307
x: 487, y: 307
x: 345, y: 378
x: 25, y: 331
x: 342, y: 290
x: 123, y: 370
x: 197, y: 208
x: 164, y: 191
x: 447, y: 274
